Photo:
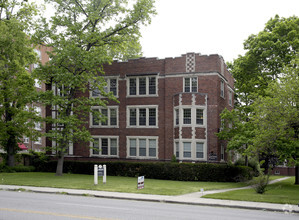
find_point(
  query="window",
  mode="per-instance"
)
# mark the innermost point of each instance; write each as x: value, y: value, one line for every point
x: 142, y: 147
x: 37, y: 83
x: 133, y: 115
x: 177, y: 149
x: 188, y: 149
x: 145, y: 85
x: 133, y: 86
x: 26, y: 140
x: 39, y: 55
x: 38, y: 110
x: 177, y: 116
x: 142, y: 116
x: 104, y: 146
x: 38, y: 141
x: 187, y: 116
x: 199, y: 116
x: 222, y: 89
x: 142, y: 86
x: 110, y: 113
x: 222, y: 152
x: 152, y: 85
x: 37, y: 125
x: 199, y: 150
x: 110, y: 85
x: 194, y: 116
x: 230, y: 98
x: 190, y: 84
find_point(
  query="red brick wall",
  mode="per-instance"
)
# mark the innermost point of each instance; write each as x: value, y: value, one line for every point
x: 170, y: 71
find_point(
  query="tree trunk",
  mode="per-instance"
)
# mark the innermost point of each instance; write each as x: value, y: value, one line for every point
x: 246, y: 161
x: 297, y: 175
x: 10, y: 156
x: 59, y: 168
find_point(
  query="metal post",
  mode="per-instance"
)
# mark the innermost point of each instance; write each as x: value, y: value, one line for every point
x: 95, y: 174
x: 105, y: 173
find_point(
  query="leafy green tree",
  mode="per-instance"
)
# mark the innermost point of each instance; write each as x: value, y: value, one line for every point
x: 268, y: 53
x: 276, y: 120
x: 16, y: 83
x: 84, y: 35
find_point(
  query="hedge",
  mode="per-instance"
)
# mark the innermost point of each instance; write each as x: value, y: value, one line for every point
x: 159, y: 170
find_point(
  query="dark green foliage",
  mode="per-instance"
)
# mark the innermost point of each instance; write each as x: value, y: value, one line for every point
x: 18, y: 168
x: 164, y: 171
x: 251, y: 163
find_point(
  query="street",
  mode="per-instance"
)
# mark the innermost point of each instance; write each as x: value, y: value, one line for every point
x: 15, y: 205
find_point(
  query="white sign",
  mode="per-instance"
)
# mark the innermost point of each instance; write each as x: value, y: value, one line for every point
x: 140, y: 183
x: 100, y: 171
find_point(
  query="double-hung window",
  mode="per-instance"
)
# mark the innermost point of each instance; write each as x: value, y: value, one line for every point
x: 109, y: 85
x: 190, y: 84
x: 199, y: 116
x: 190, y: 149
x: 104, y: 117
x: 142, y: 147
x: 142, y: 116
x: 199, y: 150
x: 104, y: 146
x: 142, y: 86
x: 187, y: 116
x: 222, y: 88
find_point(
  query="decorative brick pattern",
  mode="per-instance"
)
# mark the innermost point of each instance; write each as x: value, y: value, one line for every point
x: 190, y: 63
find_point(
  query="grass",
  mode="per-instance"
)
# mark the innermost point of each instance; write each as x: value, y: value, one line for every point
x: 283, y: 192
x: 114, y: 184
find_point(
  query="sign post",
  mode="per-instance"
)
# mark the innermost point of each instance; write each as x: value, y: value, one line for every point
x: 95, y: 172
x: 105, y: 174
x: 100, y: 171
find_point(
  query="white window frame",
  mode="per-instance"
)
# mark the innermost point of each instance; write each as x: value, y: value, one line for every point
x: 180, y: 111
x: 100, y: 137
x: 147, y: 85
x: 107, y: 87
x: 37, y: 126
x: 102, y: 124
x: 222, y: 88
x: 38, y: 141
x: 37, y: 83
x: 138, y: 107
x: 147, y: 138
x: 190, y: 79
x: 179, y: 145
x: 38, y: 110
x: 26, y: 139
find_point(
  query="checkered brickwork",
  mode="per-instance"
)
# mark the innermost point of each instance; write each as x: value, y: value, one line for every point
x: 190, y: 63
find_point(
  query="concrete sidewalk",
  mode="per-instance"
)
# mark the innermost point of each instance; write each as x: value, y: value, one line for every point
x: 189, y: 199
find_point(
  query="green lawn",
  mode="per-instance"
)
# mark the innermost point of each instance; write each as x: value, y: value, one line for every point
x: 284, y: 192
x: 114, y: 184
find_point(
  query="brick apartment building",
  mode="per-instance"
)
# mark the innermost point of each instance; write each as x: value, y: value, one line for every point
x: 166, y: 107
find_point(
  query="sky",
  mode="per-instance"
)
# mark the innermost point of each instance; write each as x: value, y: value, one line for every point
x: 209, y: 26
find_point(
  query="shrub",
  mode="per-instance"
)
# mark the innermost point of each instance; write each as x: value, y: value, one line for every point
x: 18, y: 168
x: 160, y: 170
x: 260, y: 183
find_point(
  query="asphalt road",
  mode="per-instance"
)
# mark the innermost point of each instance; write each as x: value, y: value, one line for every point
x: 32, y: 206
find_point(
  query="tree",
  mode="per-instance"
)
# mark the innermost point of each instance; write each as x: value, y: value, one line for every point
x: 84, y: 35
x: 16, y: 83
x: 276, y: 120
x: 268, y: 53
